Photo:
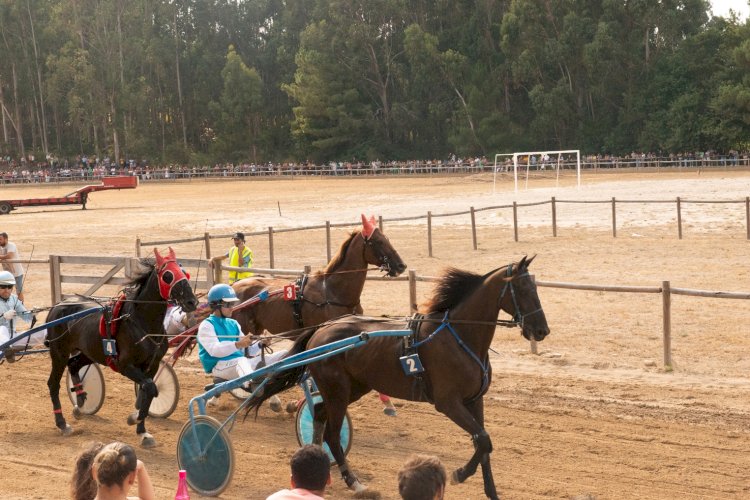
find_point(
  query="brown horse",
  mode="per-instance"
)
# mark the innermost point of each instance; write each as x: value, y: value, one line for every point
x: 137, y: 353
x: 324, y: 295
x: 451, y: 340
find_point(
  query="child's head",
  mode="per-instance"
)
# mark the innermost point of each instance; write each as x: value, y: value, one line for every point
x: 114, y: 463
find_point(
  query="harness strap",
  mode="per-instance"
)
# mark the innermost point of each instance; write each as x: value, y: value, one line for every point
x: 445, y: 324
x: 419, y: 390
x: 297, y: 303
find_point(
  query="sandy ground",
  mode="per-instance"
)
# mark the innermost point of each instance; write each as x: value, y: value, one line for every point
x: 594, y: 416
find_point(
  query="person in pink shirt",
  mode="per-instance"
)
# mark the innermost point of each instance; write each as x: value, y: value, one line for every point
x: 311, y: 473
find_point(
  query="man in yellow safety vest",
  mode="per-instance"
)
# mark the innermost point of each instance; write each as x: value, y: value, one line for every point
x: 239, y: 256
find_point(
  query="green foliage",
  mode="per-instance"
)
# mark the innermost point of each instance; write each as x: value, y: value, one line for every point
x: 208, y: 81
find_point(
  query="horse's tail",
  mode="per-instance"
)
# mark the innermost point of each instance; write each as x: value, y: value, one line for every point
x: 285, y: 379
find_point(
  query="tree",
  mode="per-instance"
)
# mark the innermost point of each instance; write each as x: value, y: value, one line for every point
x: 238, y: 109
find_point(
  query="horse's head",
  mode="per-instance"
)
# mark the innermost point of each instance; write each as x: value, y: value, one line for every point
x: 519, y: 298
x: 173, y: 282
x: 378, y: 249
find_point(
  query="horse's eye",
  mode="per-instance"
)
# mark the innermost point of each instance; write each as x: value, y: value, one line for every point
x: 167, y: 277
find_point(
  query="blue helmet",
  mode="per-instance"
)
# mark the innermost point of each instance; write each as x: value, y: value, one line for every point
x: 221, y: 294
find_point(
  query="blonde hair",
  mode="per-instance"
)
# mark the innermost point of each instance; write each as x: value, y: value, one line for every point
x: 114, y: 463
x: 82, y: 485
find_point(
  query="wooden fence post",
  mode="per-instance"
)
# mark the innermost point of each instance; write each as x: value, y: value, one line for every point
x: 666, y: 299
x: 307, y: 269
x: 554, y: 218
x: 270, y: 246
x: 515, y: 221
x: 412, y: 291
x: 328, y: 241
x: 679, y: 218
x: 207, y: 243
x: 217, y: 271
x: 429, y: 234
x: 380, y: 222
x: 473, y: 228
x: 55, y: 285
x: 614, y: 218
x: 138, y: 247
x: 210, y: 275
x: 747, y: 215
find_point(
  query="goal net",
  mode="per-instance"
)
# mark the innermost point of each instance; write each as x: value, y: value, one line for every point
x: 537, y: 161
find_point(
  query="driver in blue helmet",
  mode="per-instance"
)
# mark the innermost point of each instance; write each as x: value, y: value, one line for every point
x: 221, y: 343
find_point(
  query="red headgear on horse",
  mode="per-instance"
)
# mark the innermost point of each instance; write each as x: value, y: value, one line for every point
x: 368, y: 226
x: 169, y: 272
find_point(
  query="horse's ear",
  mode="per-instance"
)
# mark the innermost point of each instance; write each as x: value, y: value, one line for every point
x: 367, y: 227
x: 171, y: 255
x: 373, y: 221
x: 525, y: 262
x: 159, y: 258
x: 523, y: 266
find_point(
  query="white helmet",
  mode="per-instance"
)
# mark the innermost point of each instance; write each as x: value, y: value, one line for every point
x: 6, y: 278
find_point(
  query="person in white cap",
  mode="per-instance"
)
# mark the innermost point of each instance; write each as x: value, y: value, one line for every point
x: 12, y: 309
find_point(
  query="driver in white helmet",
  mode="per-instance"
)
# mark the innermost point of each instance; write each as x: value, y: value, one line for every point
x: 11, y: 310
x: 221, y: 343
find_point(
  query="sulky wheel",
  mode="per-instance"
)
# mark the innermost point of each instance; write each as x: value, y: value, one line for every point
x: 205, y: 451
x: 92, y: 379
x: 5, y: 207
x: 304, y: 427
x: 163, y: 405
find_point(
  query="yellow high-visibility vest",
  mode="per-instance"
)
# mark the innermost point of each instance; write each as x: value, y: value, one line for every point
x: 234, y: 261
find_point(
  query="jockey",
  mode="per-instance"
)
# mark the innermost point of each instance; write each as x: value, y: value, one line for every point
x: 10, y: 309
x: 221, y: 343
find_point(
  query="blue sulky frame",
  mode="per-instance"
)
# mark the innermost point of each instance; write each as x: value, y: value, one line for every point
x: 204, y: 448
x: 58, y: 321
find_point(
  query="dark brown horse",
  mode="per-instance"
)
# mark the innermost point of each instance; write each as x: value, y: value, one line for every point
x: 139, y: 338
x: 327, y: 294
x: 452, y: 341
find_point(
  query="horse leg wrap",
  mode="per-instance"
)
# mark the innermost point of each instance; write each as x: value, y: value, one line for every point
x: 482, y: 442
x: 351, y: 480
x: 149, y: 388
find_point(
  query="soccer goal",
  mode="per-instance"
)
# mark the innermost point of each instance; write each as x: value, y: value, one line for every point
x: 539, y: 160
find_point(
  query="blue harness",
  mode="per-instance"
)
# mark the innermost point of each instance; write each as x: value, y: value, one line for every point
x: 411, y: 363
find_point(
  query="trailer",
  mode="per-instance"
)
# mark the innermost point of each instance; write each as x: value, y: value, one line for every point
x: 77, y: 197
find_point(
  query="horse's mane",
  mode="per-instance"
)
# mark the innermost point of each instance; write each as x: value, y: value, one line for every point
x: 140, y: 279
x: 453, y: 288
x: 337, y: 259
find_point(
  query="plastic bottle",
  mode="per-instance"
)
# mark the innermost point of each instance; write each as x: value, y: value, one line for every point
x: 182, y: 488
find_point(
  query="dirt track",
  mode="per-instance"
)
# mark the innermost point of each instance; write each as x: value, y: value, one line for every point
x: 594, y: 416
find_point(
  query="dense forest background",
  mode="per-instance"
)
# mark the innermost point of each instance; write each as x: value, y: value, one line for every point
x: 199, y: 81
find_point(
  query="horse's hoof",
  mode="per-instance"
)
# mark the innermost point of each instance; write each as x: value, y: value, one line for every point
x: 291, y: 407
x: 133, y: 418
x: 147, y: 440
x: 67, y: 430
x: 275, y: 404
x: 391, y: 412
x: 358, y: 487
x: 77, y: 412
x: 455, y: 478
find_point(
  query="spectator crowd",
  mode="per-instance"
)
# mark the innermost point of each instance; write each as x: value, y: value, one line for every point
x: 84, y: 168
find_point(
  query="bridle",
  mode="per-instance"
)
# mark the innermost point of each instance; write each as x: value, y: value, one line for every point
x: 385, y: 262
x: 518, y: 316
